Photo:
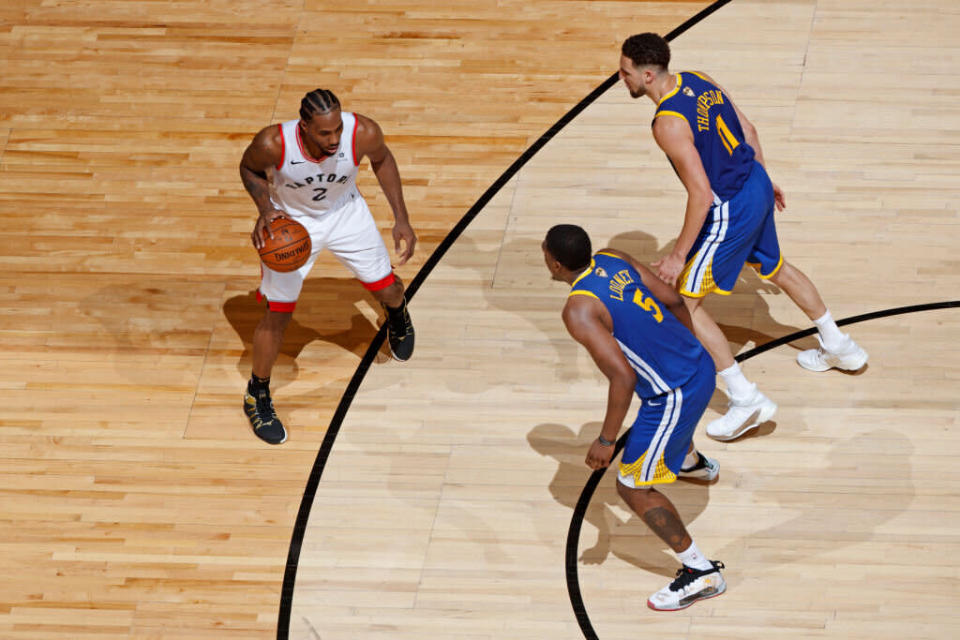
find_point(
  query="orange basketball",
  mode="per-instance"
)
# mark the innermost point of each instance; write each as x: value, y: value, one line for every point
x: 289, y: 248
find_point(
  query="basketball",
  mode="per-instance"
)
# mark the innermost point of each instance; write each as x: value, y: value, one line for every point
x: 289, y: 248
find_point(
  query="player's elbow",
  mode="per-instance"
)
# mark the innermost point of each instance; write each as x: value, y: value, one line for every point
x: 624, y: 379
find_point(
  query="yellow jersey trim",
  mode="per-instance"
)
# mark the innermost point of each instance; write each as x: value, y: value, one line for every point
x: 674, y: 91
x: 587, y: 272
x: 699, y: 75
x: 675, y: 114
x: 609, y: 255
x: 757, y: 266
x: 581, y: 292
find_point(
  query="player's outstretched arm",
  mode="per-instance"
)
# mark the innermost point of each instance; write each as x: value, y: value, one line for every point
x: 265, y: 151
x: 589, y: 323
x: 370, y: 143
x: 660, y: 290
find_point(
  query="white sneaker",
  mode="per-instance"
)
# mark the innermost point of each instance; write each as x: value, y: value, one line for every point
x: 705, y: 469
x: 742, y: 417
x: 691, y: 585
x: 849, y: 357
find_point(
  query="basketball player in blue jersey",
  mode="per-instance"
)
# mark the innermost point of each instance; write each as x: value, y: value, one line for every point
x: 729, y: 220
x: 306, y: 170
x: 638, y: 331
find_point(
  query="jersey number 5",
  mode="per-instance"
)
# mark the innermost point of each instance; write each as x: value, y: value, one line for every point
x: 647, y: 304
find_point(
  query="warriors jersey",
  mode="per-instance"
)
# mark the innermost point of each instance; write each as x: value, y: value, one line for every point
x: 725, y: 155
x: 302, y: 185
x: 660, y: 349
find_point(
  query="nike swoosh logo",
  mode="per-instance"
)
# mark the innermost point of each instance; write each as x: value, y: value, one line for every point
x: 295, y: 162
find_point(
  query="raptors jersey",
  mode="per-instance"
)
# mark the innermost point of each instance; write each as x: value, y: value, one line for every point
x: 305, y: 186
x: 660, y: 349
x: 726, y: 157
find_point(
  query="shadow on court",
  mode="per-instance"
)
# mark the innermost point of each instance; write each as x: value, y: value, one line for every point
x: 617, y: 529
x: 327, y: 312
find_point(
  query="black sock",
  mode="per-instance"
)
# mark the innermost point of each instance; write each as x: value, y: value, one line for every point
x: 394, y: 312
x: 258, y: 387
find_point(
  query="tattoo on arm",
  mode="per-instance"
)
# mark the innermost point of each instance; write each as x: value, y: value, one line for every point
x: 256, y: 185
x: 667, y: 526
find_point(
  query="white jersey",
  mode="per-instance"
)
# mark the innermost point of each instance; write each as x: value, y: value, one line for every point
x: 304, y: 186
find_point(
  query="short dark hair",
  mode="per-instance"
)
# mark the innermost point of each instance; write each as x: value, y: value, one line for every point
x: 318, y: 101
x: 570, y: 245
x: 647, y: 48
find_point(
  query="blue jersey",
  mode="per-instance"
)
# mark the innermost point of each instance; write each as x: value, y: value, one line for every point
x: 717, y: 134
x: 662, y: 352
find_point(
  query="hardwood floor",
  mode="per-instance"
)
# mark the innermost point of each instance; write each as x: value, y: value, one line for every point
x: 138, y: 504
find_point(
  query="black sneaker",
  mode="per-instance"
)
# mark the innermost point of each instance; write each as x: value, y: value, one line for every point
x: 705, y: 469
x: 400, y: 334
x: 264, y: 419
x: 691, y: 585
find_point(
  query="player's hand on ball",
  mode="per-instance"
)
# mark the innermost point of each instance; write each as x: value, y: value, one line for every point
x: 263, y: 224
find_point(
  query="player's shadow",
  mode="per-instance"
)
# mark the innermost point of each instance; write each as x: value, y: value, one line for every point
x: 327, y: 311
x: 865, y: 482
x: 618, y: 530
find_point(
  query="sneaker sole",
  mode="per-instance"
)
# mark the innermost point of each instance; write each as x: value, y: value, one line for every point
x: 755, y: 420
x: 706, y: 478
x: 692, y: 602
x: 856, y: 366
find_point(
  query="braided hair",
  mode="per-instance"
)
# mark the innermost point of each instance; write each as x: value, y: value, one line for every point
x: 318, y: 101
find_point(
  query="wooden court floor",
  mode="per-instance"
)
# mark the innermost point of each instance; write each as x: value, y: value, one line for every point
x: 137, y: 503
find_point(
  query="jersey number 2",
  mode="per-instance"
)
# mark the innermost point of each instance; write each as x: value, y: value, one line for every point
x: 320, y: 195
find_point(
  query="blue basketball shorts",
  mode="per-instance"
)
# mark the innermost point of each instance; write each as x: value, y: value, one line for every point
x: 737, y: 231
x: 661, y: 435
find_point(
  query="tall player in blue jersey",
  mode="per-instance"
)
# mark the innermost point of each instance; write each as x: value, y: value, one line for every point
x: 729, y: 220
x: 638, y: 331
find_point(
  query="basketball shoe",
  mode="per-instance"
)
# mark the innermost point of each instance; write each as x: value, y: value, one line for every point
x: 400, y: 334
x: 691, y: 585
x: 742, y: 416
x: 263, y: 418
x: 705, y: 469
x: 848, y: 356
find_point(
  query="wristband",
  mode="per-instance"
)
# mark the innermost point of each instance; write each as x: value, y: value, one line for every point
x: 603, y: 441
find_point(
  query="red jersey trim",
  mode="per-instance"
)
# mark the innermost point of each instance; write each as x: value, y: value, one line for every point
x: 283, y: 148
x: 356, y: 125
x: 303, y: 149
x: 379, y: 284
x: 281, y: 307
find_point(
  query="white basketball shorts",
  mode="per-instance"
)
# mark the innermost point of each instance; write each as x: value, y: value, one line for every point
x: 351, y: 234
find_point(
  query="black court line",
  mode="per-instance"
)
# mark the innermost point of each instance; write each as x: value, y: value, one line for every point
x: 310, y: 491
x: 580, y: 510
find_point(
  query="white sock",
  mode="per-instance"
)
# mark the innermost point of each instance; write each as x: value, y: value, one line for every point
x: 739, y: 387
x: 691, y: 460
x: 693, y: 558
x: 830, y: 333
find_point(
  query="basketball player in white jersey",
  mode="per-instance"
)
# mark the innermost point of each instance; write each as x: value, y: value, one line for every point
x: 306, y: 170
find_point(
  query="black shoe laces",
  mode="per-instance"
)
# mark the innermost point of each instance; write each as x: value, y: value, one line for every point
x: 686, y: 575
x: 398, y: 323
x: 265, y: 408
